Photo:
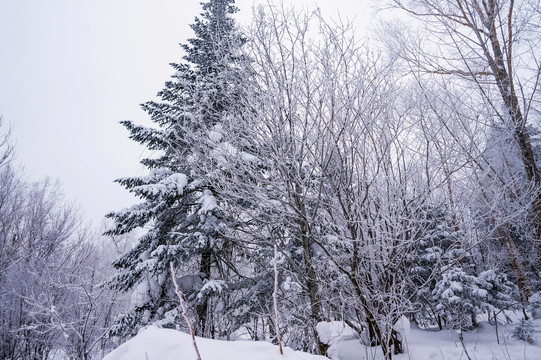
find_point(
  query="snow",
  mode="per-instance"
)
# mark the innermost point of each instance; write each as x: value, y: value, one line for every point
x: 289, y: 284
x: 216, y: 134
x: 480, y: 293
x: 248, y: 157
x: 140, y: 294
x: 190, y: 282
x: 481, y: 344
x: 402, y: 326
x: 208, y: 202
x: 331, y: 332
x: 223, y: 151
x: 212, y: 287
x: 455, y: 286
x: 154, y: 343
x: 171, y: 182
x: 178, y: 181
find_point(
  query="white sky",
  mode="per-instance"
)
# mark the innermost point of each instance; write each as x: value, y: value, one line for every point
x: 70, y: 70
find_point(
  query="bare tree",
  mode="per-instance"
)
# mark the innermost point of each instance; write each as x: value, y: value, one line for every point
x: 50, y: 276
x: 492, y: 45
x: 6, y: 149
x: 339, y: 186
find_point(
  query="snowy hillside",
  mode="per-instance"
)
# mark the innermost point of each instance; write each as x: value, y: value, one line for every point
x: 165, y: 344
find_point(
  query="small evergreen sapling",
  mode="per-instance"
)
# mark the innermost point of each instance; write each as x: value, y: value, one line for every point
x: 459, y: 298
x: 524, y: 331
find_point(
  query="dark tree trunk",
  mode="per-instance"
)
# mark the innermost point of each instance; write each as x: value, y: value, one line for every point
x: 312, y: 285
x: 202, y: 308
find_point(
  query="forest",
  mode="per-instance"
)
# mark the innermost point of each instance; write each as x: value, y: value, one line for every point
x: 298, y: 175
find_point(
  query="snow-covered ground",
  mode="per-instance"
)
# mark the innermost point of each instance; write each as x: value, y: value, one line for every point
x: 481, y: 344
x: 166, y: 344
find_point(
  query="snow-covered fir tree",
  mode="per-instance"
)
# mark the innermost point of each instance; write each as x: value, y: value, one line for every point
x: 180, y: 210
x: 460, y: 295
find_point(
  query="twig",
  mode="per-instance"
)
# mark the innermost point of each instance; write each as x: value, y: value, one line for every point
x: 461, y: 337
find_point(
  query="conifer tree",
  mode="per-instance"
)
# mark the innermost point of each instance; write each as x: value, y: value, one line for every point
x: 180, y: 207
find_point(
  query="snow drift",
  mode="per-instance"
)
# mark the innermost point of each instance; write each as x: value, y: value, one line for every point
x: 165, y: 344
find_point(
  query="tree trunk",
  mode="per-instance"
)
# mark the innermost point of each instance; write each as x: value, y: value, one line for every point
x: 506, y: 86
x: 310, y: 273
x: 312, y: 285
x: 202, y: 308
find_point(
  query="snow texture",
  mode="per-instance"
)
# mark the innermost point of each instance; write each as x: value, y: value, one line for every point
x: 154, y: 343
x: 212, y: 287
x: 422, y: 344
x: 175, y: 182
x: 330, y: 332
x: 165, y: 344
x: 208, y: 202
x: 402, y: 326
x: 216, y: 134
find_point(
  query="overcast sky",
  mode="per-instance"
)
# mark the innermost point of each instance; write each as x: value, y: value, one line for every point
x: 70, y: 70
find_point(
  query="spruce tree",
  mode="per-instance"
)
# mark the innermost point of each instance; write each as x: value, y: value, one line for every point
x: 180, y: 207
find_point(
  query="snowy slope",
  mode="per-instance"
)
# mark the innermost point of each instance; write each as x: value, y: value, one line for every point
x: 166, y: 344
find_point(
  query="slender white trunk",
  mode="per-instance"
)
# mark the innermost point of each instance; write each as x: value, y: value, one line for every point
x: 275, y: 298
x: 184, y: 309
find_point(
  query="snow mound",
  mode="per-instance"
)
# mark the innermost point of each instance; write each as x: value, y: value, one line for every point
x: 334, y: 331
x: 402, y: 326
x: 165, y: 344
